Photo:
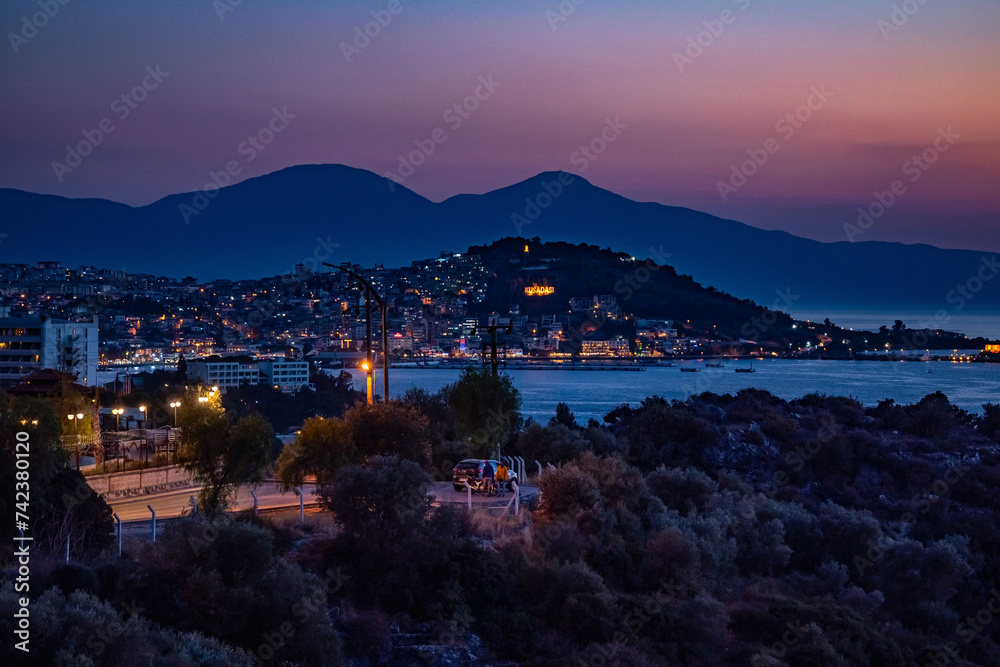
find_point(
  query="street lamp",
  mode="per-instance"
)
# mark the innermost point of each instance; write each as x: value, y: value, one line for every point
x: 117, y: 412
x: 175, y: 405
x: 76, y: 422
x: 368, y: 379
x: 142, y: 409
x: 203, y: 399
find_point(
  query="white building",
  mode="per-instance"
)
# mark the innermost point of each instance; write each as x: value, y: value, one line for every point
x: 32, y: 343
x: 285, y: 375
x: 224, y: 373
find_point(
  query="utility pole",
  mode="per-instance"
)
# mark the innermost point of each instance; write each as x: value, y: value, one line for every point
x: 371, y: 293
x: 492, y: 329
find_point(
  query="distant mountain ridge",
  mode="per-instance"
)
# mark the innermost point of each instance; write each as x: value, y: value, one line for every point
x: 312, y: 213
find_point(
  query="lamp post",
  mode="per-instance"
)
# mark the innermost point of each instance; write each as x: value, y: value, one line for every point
x: 175, y: 405
x: 368, y: 380
x: 117, y: 412
x: 142, y: 409
x: 76, y: 423
x: 385, y: 330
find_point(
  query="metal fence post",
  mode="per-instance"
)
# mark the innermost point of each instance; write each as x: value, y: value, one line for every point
x: 150, y: 507
x: 469, y: 491
x: 118, y: 521
x: 302, y: 505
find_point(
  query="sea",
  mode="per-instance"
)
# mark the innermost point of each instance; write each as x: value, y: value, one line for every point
x: 592, y: 394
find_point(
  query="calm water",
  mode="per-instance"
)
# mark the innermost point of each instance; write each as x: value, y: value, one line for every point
x: 595, y: 393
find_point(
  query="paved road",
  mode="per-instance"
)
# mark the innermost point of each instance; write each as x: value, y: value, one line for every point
x: 444, y: 492
x: 172, y: 504
x: 175, y: 503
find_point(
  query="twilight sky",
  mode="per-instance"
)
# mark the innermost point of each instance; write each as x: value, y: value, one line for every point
x: 881, y: 92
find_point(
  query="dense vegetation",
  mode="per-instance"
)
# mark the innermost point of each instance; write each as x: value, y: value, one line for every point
x: 720, y: 530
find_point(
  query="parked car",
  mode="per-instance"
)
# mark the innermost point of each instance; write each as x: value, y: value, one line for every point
x: 471, y: 470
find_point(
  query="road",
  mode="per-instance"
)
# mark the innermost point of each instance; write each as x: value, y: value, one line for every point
x: 171, y: 504
x: 175, y: 503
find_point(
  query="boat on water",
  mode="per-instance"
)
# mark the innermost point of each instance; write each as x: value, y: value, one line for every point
x: 690, y: 370
x: 747, y: 370
x: 715, y: 365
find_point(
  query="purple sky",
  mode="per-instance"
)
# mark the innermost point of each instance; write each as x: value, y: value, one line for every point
x: 882, y: 93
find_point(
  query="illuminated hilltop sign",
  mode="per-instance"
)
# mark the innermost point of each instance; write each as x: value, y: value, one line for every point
x: 539, y: 290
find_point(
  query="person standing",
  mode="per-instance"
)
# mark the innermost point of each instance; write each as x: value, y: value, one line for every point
x: 488, y: 476
x: 502, y: 478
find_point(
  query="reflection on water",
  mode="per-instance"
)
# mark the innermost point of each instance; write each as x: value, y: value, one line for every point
x: 595, y: 393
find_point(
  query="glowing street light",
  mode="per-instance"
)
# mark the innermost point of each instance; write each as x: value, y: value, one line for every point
x: 368, y: 379
x: 117, y: 412
x: 76, y: 421
x: 142, y: 409
x: 175, y: 405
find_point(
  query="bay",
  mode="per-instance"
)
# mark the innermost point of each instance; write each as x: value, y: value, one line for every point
x: 595, y: 393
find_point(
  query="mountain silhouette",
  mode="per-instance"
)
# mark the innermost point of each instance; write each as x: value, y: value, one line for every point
x: 311, y: 213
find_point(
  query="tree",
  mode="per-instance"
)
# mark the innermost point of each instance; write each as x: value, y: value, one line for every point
x: 564, y: 416
x: 989, y: 422
x: 321, y: 446
x: 221, y: 455
x: 487, y: 409
x: 392, y: 429
x: 380, y: 502
x: 62, y: 504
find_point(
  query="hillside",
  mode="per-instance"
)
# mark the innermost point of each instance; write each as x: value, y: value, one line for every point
x: 270, y: 223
